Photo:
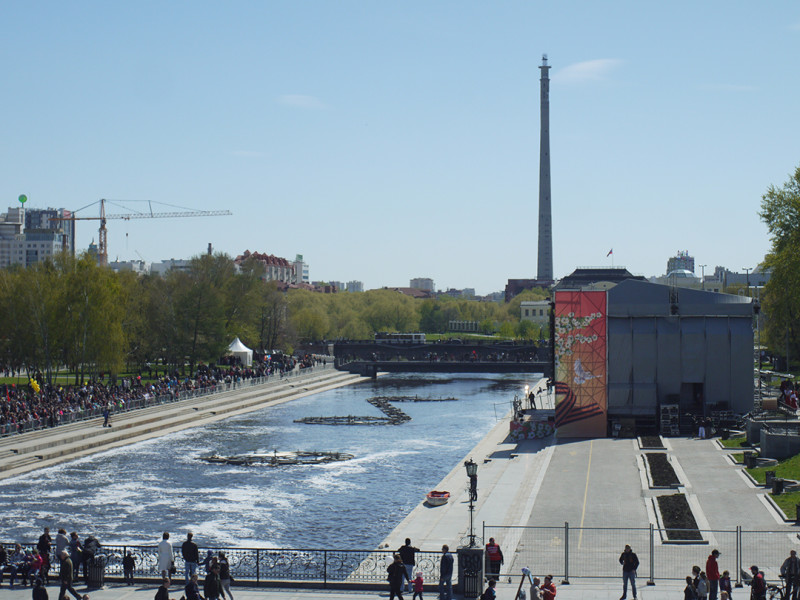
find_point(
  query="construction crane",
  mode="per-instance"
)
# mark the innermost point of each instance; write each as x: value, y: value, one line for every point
x: 102, y: 242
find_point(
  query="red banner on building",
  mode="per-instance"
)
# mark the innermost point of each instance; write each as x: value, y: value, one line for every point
x: 580, y: 323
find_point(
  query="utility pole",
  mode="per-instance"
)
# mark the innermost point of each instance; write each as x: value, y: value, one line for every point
x: 747, y: 270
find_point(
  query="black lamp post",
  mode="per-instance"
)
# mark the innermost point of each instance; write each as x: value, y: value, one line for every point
x: 472, y: 473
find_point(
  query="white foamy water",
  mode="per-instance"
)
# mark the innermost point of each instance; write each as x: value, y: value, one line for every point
x: 130, y: 495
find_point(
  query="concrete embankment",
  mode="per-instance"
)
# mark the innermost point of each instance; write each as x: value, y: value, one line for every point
x: 509, y: 476
x: 27, y: 452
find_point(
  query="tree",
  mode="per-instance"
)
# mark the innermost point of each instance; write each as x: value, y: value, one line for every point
x: 780, y: 211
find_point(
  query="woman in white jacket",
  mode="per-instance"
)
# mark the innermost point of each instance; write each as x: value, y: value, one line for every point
x: 166, y: 556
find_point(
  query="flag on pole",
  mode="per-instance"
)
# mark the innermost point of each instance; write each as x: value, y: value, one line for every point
x: 610, y: 252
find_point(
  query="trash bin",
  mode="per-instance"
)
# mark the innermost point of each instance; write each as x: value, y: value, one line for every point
x: 96, y: 573
x: 749, y: 460
x: 769, y: 478
x: 777, y: 486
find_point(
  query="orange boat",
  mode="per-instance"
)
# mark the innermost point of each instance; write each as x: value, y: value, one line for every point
x: 435, y: 498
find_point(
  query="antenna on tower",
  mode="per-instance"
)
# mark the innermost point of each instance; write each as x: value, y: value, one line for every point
x: 544, y: 59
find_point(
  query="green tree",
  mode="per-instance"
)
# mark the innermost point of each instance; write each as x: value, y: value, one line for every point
x: 780, y: 211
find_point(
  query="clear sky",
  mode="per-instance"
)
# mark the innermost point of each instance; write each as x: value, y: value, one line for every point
x: 391, y: 140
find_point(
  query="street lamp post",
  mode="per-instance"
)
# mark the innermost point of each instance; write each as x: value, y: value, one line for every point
x: 472, y: 473
x: 703, y: 277
x: 747, y: 271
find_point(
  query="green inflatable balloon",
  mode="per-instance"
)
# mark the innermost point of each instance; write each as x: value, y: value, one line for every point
x: 23, y: 199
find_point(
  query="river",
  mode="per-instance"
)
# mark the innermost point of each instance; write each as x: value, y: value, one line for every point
x: 130, y: 495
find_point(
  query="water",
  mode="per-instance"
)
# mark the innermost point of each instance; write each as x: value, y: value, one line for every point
x: 130, y: 495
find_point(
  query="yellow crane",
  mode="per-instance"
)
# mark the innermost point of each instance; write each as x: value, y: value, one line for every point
x: 102, y: 243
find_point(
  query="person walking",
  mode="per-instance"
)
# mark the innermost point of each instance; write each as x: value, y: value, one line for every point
x: 191, y: 556
x: 407, y: 553
x: 67, y: 576
x: 790, y: 571
x: 397, y: 572
x: 712, y: 573
x: 166, y: 556
x: 494, y: 558
x: 629, y: 562
x: 446, y: 574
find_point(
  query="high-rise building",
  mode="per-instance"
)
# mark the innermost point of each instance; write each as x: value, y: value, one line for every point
x: 544, y: 272
x: 355, y: 286
x: 20, y: 245
x: 680, y: 262
x: 300, y: 269
x: 53, y: 219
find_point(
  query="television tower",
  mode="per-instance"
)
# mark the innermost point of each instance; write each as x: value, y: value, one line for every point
x: 545, y: 257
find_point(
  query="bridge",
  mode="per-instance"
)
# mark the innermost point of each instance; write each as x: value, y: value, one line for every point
x: 368, y: 357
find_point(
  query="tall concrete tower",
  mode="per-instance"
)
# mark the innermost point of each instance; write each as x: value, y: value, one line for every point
x: 545, y: 266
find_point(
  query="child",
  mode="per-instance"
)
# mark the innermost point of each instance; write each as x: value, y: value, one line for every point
x: 489, y: 593
x: 725, y: 583
x: 418, y: 586
x: 702, y: 586
x: 689, y: 592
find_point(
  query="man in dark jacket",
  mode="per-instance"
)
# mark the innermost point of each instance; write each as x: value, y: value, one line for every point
x: 629, y: 562
x: 446, y: 574
x: 407, y: 556
x: 397, y: 572
x: 44, y: 545
x: 191, y: 556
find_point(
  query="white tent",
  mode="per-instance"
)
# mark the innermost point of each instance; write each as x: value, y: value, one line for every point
x: 237, y: 348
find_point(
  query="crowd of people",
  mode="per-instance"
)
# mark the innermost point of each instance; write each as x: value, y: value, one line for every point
x: 39, y: 405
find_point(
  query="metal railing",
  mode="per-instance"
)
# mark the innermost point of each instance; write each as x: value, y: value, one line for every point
x: 255, y: 566
x: 139, y: 403
x: 593, y: 552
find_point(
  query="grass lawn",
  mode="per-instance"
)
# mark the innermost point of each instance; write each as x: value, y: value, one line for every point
x: 738, y: 442
x: 738, y: 457
x: 787, y: 503
x: 785, y: 469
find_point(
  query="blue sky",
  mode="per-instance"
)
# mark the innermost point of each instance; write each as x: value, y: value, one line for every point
x: 392, y: 140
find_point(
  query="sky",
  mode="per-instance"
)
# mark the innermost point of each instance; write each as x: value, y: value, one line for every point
x: 386, y: 141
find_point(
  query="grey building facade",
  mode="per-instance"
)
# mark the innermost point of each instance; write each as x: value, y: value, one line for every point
x: 684, y: 347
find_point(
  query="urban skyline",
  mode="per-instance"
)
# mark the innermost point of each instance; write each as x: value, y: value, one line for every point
x: 386, y: 141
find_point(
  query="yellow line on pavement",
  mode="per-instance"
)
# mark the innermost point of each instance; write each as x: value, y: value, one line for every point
x: 586, y: 492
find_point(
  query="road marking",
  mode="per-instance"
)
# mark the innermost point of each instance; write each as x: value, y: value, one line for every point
x: 586, y: 492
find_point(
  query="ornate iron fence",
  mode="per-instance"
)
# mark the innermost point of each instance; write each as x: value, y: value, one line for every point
x: 253, y: 566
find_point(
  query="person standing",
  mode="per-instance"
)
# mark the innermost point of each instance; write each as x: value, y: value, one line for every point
x: 166, y: 556
x: 446, y: 574
x: 397, y: 572
x: 75, y: 552
x: 44, y: 545
x: 689, y: 593
x: 629, y: 562
x: 407, y: 553
x: 128, y: 567
x: 212, y: 588
x: 62, y: 541
x: 225, y: 575
x: 67, y: 575
x: 494, y: 556
x: 191, y: 556
x: 191, y: 590
x: 758, y: 587
x: 712, y: 573
x: 790, y: 571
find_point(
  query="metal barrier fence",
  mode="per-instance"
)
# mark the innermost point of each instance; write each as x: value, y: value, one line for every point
x: 589, y: 552
x: 253, y: 566
x: 137, y: 403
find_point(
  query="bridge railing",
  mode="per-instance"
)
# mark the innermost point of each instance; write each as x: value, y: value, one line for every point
x: 255, y: 566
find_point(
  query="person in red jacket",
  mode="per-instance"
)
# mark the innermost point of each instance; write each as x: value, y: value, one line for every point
x: 548, y: 588
x: 494, y: 558
x: 712, y: 573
